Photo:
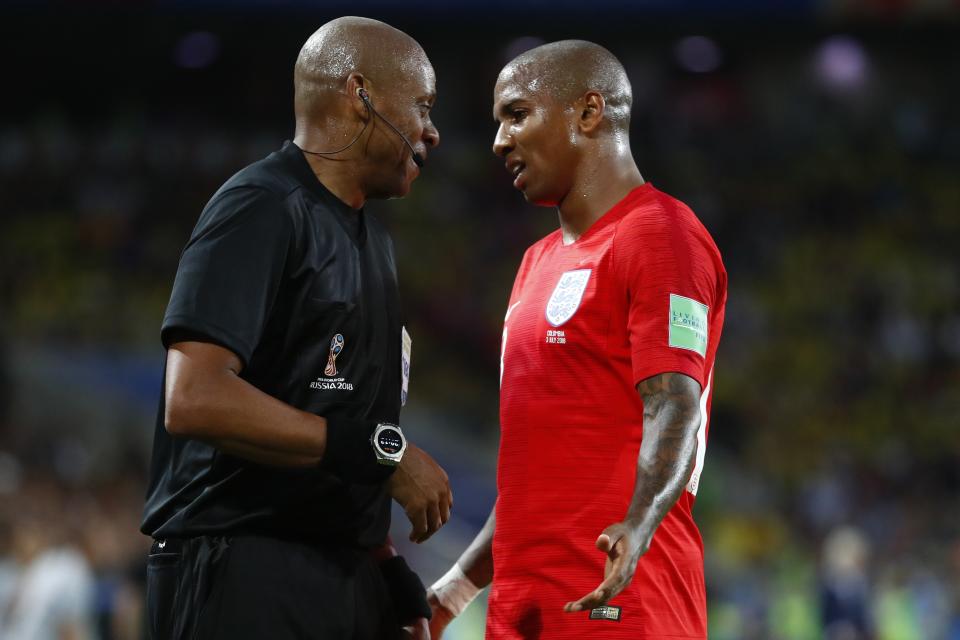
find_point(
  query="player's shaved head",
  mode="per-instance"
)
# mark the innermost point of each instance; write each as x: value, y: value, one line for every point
x: 382, y: 54
x: 567, y: 69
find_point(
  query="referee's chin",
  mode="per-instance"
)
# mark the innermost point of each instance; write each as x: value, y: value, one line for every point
x: 397, y: 188
x: 402, y: 187
x: 398, y: 191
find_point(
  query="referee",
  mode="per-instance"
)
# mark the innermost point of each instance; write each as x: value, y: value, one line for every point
x: 277, y: 447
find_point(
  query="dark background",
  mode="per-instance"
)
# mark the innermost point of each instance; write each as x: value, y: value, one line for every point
x: 818, y: 142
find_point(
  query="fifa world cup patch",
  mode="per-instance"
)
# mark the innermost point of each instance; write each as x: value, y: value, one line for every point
x: 688, y: 324
x: 336, y: 346
x: 605, y: 613
x: 329, y: 381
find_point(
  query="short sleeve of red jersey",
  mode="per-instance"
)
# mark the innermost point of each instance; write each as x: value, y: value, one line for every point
x: 669, y: 266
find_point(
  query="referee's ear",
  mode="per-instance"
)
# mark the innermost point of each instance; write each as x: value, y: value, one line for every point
x: 355, y: 83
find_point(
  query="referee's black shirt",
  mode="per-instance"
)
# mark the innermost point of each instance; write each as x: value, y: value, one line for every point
x: 276, y: 267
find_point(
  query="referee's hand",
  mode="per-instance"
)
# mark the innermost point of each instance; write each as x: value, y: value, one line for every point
x: 422, y: 488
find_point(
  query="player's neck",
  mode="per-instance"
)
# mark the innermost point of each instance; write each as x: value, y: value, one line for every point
x: 603, y: 186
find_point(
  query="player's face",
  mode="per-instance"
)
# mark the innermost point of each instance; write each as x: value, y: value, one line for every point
x: 407, y: 106
x: 536, y: 138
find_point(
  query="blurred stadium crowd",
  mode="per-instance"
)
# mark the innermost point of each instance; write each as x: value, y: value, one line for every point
x: 826, y: 166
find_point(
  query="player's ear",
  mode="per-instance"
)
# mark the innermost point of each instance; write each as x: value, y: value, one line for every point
x: 591, y: 106
x: 355, y: 85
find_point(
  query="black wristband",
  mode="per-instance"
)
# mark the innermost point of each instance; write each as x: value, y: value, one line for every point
x: 349, y: 453
x: 406, y: 590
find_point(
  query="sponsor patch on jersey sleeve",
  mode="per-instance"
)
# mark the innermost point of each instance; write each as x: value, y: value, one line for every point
x: 688, y: 324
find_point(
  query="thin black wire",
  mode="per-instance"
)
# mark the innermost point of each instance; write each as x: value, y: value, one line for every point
x: 370, y: 110
x: 366, y: 103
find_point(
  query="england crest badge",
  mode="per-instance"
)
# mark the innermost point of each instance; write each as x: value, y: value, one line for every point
x: 567, y: 295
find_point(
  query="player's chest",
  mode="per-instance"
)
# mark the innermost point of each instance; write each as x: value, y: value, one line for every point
x: 567, y: 304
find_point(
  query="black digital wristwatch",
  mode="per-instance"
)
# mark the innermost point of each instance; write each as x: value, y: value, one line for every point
x: 388, y: 443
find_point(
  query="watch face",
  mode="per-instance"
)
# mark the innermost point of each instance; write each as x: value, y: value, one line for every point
x: 390, y: 441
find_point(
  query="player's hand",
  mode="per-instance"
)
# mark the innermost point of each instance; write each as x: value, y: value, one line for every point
x: 624, y: 545
x: 441, y: 615
x: 422, y: 488
x: 419, y: 630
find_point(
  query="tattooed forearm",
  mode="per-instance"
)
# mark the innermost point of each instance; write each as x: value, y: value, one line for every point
x: 671, y: 416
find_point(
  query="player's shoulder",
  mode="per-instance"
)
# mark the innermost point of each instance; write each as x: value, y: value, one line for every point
x: 545, y: 242
x: 653, y: 210
x: 656, y: 215
x: 535, y: 251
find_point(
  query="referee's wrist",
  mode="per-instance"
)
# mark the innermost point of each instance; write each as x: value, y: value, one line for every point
x: 349, y: 454
x: 406, y: 590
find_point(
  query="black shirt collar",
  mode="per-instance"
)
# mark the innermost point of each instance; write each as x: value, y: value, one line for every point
x: 350, y: 218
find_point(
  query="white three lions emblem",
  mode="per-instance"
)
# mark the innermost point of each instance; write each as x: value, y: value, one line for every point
x: 567, y: 295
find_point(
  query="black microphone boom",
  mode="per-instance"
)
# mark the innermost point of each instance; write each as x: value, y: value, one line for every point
x: 417, y: 160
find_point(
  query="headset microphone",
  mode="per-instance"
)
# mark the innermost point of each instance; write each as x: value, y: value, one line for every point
x: 417, y: 160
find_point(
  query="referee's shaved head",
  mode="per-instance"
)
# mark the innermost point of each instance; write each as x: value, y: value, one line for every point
x: 567, y: 69
x: 381, y: 53
x: 362, y: 150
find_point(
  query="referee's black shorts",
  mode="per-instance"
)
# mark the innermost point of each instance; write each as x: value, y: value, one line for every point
x: 239, y: 587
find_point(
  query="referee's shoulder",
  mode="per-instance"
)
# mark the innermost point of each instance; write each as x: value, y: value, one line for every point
x: 252, y: 197
x: 261, y: 186
x: 263, y: 178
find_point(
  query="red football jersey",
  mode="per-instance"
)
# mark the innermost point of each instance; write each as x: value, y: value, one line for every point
x: 642, y: 292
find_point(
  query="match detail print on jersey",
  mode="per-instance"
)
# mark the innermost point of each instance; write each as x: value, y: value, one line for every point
x: 566, y: 296
x: 688, y: 324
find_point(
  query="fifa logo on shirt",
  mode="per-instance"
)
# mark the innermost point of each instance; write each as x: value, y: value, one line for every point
x: 336, y: 346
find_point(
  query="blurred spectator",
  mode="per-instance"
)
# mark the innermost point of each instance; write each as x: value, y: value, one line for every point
x: 51, y: 594
x: 845, y: 586
x: 6, y: 384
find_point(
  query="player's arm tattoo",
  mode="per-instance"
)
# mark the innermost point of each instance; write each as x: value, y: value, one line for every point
x: 671, y: 418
